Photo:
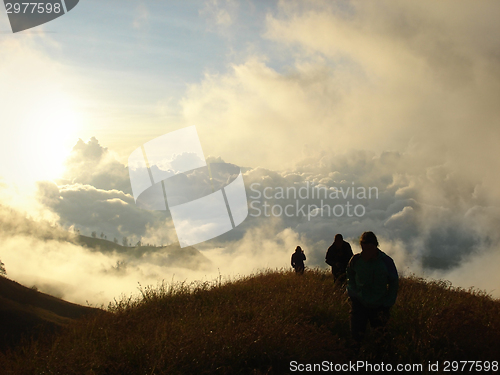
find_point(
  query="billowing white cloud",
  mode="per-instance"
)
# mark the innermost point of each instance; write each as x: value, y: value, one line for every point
x: 403, y: 77
x: 109, y: 211
x: 437, y: 234
x: 430, y: 216
x: 56, y: 261
x: 91, y: 164
x: 398, y: 96
x: 79, y: 274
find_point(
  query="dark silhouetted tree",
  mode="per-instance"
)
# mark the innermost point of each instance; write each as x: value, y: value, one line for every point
x: 2, y: 269
x: 125, y: 241
x: 94, y: 234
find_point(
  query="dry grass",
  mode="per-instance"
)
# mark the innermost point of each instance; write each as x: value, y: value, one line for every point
x: 260, y: 323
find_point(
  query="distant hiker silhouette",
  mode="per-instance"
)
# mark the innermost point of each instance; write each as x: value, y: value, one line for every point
x: 298, y: 258
x: 372, y: 285
x: 338, y: 256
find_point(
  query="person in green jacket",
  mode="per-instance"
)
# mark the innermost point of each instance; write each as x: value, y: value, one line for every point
x: 372, y: 285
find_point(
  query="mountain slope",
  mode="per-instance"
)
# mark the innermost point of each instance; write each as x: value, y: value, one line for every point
x: 26, y: 312
x: 188, y: 257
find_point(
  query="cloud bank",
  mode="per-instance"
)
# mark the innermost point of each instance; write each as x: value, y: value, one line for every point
x: 400, y: 98
x: 428, y: 217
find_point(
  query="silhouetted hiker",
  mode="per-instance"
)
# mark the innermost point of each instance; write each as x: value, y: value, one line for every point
x: 298, y: 260
x: 372, y: 285
x: 338, y: 256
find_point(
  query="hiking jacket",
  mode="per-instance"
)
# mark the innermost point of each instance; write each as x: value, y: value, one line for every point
x: 374, y: 283
x: 298, y: 259
x: 339, y: 258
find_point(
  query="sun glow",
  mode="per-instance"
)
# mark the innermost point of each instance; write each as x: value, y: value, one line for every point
x: 48, y: 132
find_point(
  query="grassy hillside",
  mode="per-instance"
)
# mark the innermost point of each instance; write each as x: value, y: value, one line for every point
x: 259, y: 325
x: 26, y: 312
